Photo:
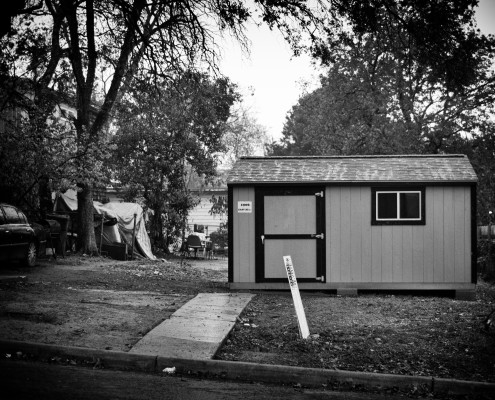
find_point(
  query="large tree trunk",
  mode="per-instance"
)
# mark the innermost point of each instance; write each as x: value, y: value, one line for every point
x: 86, y: 231
x: 45, y: 196
x: 157, y: 227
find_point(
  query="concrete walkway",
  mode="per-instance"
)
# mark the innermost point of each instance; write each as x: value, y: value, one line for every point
x: 197, y: 329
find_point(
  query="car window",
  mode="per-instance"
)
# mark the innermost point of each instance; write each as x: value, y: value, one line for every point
x: 11, y: 215
x: 22, y: 217
x: 2, y: 217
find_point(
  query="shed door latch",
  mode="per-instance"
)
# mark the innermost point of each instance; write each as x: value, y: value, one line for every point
x: 320, y: 278
x: 320, y: 194
x: 262, y: 239
x: 320, y: 236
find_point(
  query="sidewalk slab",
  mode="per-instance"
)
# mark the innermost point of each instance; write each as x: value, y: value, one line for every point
x: 197, y: 329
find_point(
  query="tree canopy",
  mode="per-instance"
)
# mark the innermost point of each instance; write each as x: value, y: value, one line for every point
x: 164, y: 133
x: 377, y: 97
x: 97, y: 51
x: 244, y: 136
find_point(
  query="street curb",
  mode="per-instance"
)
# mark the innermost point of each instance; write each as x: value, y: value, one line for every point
x: 234, y: 370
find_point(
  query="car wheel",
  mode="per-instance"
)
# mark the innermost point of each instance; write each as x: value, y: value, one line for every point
x: 30, y: 260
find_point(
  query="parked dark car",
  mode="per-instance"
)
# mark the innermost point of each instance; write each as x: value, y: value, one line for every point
x: 19, y: 239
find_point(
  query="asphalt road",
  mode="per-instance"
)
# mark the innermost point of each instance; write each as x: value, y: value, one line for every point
x: 36, y: 380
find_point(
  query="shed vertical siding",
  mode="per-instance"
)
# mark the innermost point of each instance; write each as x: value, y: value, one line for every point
x: 459, y: 236
x: 357, y: 234
x: 418, y: 253
x: 438, y: 252
x: 428, y: 243
x: 333, y: 245
x: 367, y: 245
x: 243, y: 237
x: 469, y: 252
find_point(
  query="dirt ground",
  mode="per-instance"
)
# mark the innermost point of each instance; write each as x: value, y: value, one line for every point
x: 107, y: 304
x: 98, y: 302
x: 396, y: 334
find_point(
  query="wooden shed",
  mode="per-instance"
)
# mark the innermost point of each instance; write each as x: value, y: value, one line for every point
x: 354, y: 223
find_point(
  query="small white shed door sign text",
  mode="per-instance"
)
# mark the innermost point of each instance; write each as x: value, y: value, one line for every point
x: 245, y: 207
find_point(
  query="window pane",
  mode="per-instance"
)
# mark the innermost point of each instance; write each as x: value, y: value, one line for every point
x: 387, y: 205
x: 11, y: 214
x: 409, y: 205
x: 22, y: 217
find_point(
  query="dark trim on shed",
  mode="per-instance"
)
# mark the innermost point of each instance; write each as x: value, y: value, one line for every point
x: 375, y: 222
x: 474, y: 236
x: 321, y: 250
x: 289, y: 190
x: 230, y: 230
x: 259, y: 256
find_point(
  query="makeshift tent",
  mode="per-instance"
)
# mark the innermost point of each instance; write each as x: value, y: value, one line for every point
x: 118, y: 224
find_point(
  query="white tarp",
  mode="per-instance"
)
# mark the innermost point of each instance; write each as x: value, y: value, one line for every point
x: 122, y: 230
x: 125, y: 213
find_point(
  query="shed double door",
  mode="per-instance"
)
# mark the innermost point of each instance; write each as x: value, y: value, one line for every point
x: 290, y: 221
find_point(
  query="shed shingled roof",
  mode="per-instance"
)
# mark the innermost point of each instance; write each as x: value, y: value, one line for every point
x: 352, y: 169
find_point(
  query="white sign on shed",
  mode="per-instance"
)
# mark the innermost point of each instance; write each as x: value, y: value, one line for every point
x: 245, y: 207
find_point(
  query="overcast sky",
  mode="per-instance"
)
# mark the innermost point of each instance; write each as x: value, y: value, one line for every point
x: 272, y: 80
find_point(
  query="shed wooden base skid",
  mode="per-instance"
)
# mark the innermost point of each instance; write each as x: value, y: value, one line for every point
x: 462, y: 291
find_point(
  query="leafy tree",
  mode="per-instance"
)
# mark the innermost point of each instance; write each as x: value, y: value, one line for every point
x: 91, y: 41
x: 343, y: 116
x: 480, y: 148
x: 48, y: 156
x: 14, y: 8
x: 377, y: 97
x: 163, y: 134
x: 220, y: 237
x: 244, y: 136
x: 438, y: 36
x: 88, y: 43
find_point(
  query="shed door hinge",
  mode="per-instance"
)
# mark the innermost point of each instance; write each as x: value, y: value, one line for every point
x: 320, y: 194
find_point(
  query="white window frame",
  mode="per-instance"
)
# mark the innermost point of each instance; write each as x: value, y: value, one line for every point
x: 397, y: 193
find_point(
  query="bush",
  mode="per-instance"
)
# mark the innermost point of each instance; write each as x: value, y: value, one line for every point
x: 220, y: 237
x: 487, y: 271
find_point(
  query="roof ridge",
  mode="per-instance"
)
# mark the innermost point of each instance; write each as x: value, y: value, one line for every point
x: 354, y: 156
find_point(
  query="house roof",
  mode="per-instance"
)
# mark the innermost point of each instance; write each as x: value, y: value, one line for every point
x: 353, y: 169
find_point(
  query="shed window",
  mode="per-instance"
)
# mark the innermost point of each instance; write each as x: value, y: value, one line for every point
x: 398, y: 206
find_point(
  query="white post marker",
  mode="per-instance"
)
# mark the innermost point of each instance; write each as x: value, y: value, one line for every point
x: 296, y: 297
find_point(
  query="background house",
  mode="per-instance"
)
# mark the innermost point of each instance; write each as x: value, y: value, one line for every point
x: 200, y: 218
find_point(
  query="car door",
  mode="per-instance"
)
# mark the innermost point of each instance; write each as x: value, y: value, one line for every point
x: 290, y: 221
x: 19, y: 232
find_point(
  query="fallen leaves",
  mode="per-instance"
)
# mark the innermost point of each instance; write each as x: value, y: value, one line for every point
x: 427, y: 336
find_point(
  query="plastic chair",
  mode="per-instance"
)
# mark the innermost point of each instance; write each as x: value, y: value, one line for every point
x: 194, y: 242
